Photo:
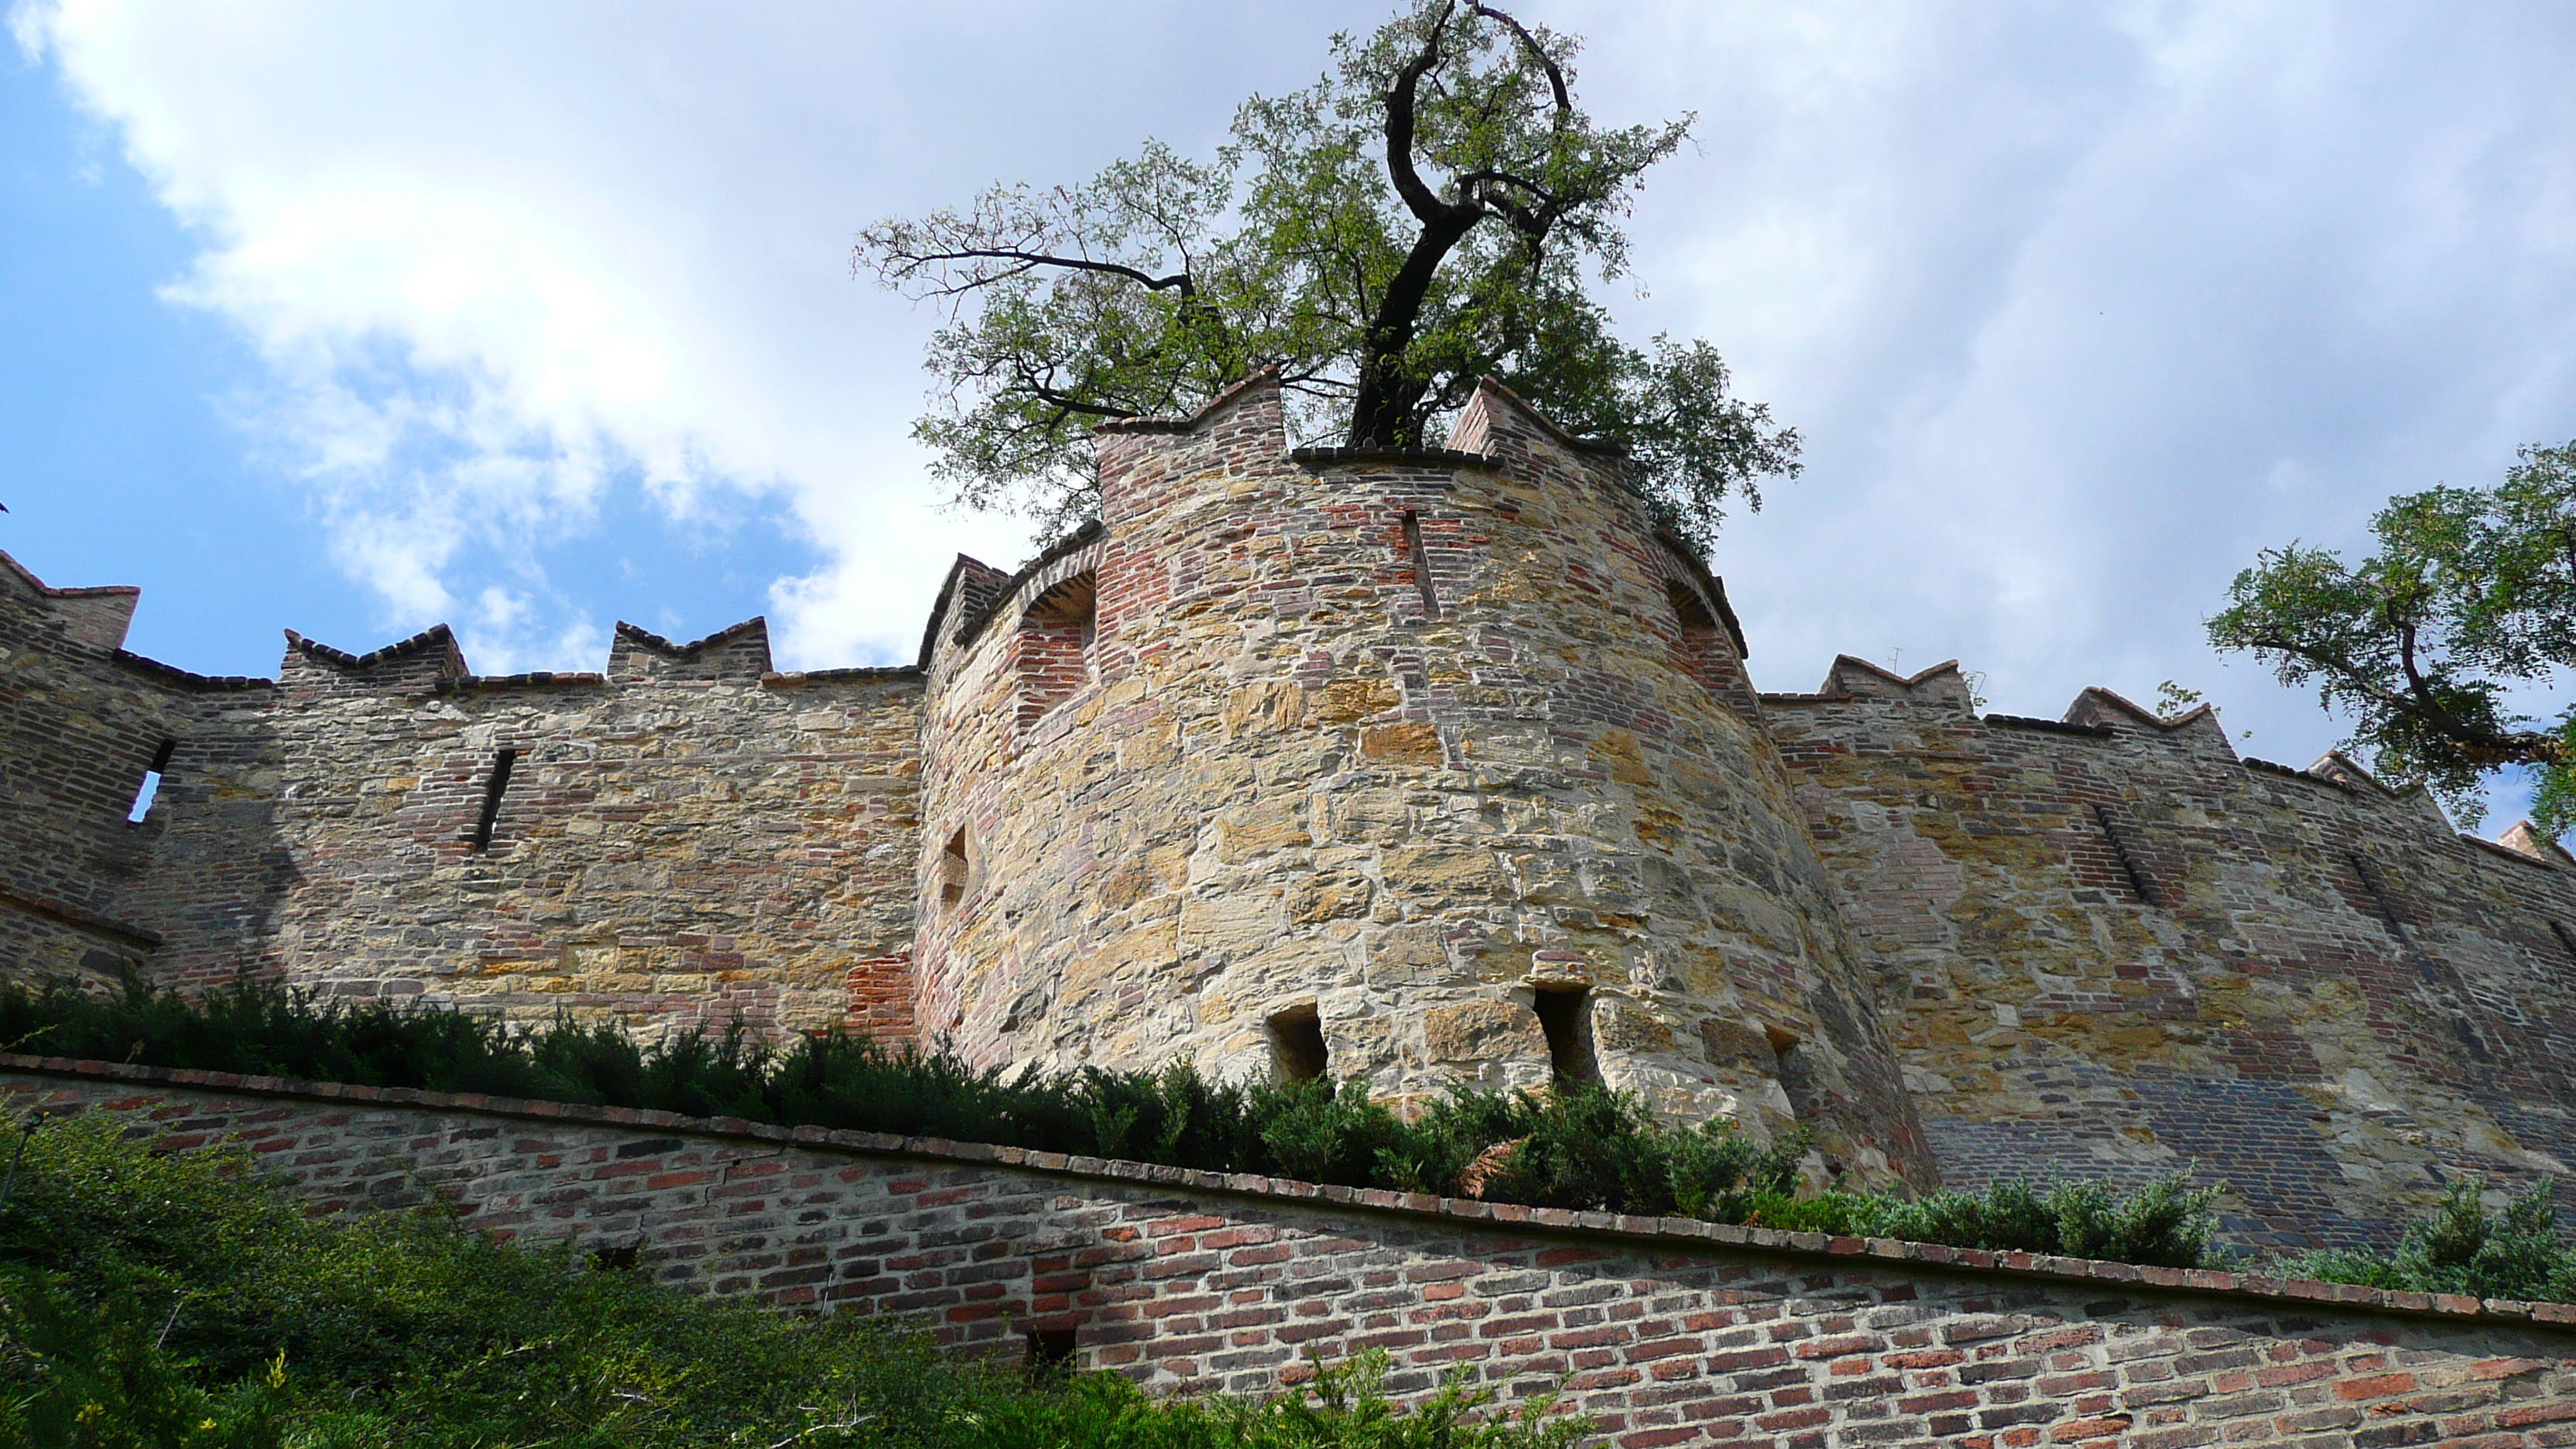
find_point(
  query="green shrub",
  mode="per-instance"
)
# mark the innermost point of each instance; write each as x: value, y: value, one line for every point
x: 2461, y: 1247
x: 1585, y: 1149
x: 2168, y: 1223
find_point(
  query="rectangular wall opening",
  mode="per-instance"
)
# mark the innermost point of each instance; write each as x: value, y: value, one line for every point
x: 1795, y: 1071
x: 952, y: 869
x: 151, y: 781
x: 1050, y: 1353
x: 1421, y: 560
x: 1058, y: 633
x: 502, y: 760
x: 2128, y: 863
x: 1700, y: 648
x: 2379, y: 896
x: 1297, y: 1051
x: 1566, y: 1017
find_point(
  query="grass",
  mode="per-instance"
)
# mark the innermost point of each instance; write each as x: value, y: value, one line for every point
x: 175, y: 1300
x: 1586, y: 1149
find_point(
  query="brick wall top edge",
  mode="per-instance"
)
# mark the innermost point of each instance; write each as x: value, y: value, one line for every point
x: 173, y: 674
x: 2507, y: 851
x: 1596, y: 446
x: 2274, y: 767
x: 434, y: 636
x: 1268, y: 376
x: 2051, y: 726
x: 657, y: 643
x: 799, y: 678
x: 1432, y: 457
x: 535, y: 680
x: 1090, y: 532
x: 1680, y: 1234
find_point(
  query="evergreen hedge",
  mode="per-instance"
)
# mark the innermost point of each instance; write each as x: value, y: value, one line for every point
x: 2463, y: 1247
x: 1586, y: 1149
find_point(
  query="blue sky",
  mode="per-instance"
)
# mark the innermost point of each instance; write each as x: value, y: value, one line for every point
x: 532, y: 317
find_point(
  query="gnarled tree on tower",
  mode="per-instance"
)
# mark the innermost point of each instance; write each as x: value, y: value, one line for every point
x: 1426, y: 214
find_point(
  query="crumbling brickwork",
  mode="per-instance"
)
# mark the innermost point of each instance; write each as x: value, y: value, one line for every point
x: 1415, y: 767
x: 1665, y: 1332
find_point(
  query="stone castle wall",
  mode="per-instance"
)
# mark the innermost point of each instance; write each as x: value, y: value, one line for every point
x: 1397, y: 754
x: 2110, y: 947
x: 1665, y: 1332
x: 1414, y: 767
x: 688, y: 839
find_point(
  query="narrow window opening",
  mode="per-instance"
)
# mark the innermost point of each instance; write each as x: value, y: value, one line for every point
x: 1297, y: 1051
x: 2379, y: 897
x: 1795, y: 1070
x: 2566, y: 942
x: 1566, y: 1017
x: 1050, y: 1353
x: 1421, y: 558
x: 1057, y: 636
x: 151, y: 781
x: 500, y: 781
x: 952, y: 869
x: 2128, y: 863
x: 1699, y: 650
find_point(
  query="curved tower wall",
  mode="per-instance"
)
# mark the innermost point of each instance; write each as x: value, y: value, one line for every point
x: 1440, y: 761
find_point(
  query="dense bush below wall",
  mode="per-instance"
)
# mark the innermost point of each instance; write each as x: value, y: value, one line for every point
x: 2464, y: 1247
x: 1587, y: 1149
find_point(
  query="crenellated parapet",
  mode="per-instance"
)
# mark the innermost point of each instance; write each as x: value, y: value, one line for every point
x: 739, y: 654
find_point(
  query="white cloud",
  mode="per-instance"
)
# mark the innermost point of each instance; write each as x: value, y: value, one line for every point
x: 2081, y: 306
x: 2078, y: 305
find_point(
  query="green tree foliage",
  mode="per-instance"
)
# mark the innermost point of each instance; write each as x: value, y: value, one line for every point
x: 2462, y: 1247
x: 2422, y: 645
x: 1426, y: 214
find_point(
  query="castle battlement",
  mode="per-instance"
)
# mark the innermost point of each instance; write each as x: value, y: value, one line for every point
x: 1419, y: 767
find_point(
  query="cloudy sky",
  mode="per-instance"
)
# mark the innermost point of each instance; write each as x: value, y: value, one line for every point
x: 352, y: 319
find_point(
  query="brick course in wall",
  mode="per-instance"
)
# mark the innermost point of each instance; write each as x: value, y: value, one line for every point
x: 1667, y: 1332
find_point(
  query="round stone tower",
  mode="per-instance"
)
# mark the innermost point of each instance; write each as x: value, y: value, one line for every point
x: 1415, y: 766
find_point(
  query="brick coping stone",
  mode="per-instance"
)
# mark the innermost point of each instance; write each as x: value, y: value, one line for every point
x: 1676, y: 1233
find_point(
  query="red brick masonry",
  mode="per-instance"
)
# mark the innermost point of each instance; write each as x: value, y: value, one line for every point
x: 1666, y: 1331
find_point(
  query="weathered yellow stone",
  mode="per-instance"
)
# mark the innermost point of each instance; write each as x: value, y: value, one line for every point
x: 1401, y: 744
x: 1261, y: 828
x: 1617, y: 749
x: 1347, y: 701
x: 1478, y: 1031
x: 1441, y: 870
x: 1625, y: 1026
x: 1231, y: 924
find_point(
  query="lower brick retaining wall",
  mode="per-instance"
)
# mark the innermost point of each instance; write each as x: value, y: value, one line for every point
x: 1667, y: 1332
